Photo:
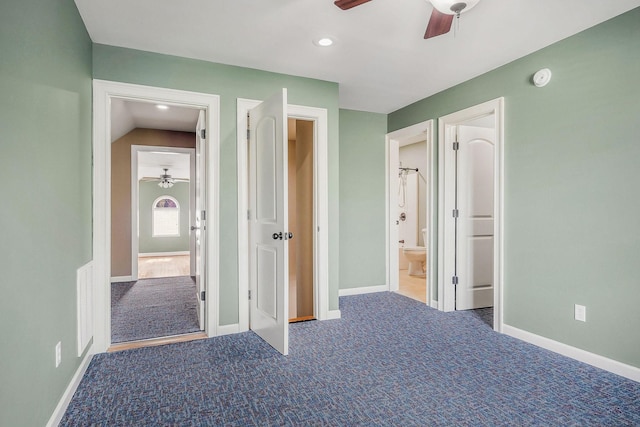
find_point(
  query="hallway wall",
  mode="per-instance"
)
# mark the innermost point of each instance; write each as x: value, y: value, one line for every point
x: 362, y: 199
x: 148, y: 193
x: 45, y: 226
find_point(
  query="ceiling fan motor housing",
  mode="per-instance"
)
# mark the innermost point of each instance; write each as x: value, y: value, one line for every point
x: 458, y: 7
x: 453, y: 7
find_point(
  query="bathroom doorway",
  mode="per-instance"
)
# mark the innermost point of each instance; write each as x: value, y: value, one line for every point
x: 409, y: 221
x: 301, y: 209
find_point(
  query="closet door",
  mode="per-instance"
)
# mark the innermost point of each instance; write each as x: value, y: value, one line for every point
x: 268, y: 232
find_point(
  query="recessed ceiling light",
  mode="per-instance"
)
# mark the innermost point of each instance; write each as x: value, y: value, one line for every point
x: 162, y: 107
x: 324, y: 42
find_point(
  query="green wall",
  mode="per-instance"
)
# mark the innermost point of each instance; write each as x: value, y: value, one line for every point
x: 362, y: 199
x: 45, y: 226
x: 230, y: 83
x: 571, y: 166
x: 148, y: 193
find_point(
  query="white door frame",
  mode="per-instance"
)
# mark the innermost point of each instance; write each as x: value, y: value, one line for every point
x: 103, y: 92
x: 321, y: 208
x: 446, y: 174
x: 393, y: 140
x: 135, y: 202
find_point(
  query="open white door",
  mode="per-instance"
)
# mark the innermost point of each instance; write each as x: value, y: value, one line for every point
x: 199, y: 227
x: 268, y: 222
x: 475, y: 230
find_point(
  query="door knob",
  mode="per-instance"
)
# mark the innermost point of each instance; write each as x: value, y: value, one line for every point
x: 193, y: 227
x: 277, y: 236
x: 288, y: 235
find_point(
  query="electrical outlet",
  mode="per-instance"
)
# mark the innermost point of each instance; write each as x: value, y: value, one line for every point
x: 580, y: 313
x: 58, y: 353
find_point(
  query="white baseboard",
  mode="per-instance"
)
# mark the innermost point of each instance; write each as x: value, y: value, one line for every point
x: 179, y: 253
x: 228, y: 329
x: 115, y: 279
x: 362, y: 290
x: 619, y: 368
x: 58, y: 413
x: 333, y: 314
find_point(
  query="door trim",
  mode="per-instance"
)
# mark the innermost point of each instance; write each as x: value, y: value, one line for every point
x: 103, y: 92
x: 445, y: 269
x: 321, y: 204
x: 135, y: 202
x: 391, y: 199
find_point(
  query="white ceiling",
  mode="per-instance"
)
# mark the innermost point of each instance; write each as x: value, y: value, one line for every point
x: 127, y: 115
x: 380, y: 58
x: 150, y: 164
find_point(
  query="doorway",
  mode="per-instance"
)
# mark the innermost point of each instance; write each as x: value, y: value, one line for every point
x: 471, y: 203
x: 105, y: 93
x: 163, y: 244
x: 300, y: 199
x: 158, y: 148
x: 410, y: 188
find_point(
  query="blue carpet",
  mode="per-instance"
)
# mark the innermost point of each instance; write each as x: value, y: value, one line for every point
x: 390, y: 361
x: 151, y: 308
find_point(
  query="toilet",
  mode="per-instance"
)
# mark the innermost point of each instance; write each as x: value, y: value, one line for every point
x: 417, y: 257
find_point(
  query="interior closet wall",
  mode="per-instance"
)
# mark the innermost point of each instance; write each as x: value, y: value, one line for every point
x: 301, y: 219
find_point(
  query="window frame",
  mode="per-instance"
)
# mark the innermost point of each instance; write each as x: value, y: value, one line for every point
x: 155, y: 208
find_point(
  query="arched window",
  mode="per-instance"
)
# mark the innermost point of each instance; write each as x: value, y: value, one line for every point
x: 166, y: 217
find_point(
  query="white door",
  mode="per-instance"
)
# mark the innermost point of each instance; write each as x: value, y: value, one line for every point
x: 475, y: 223
x: 198, y: 228
x: 268, y: 234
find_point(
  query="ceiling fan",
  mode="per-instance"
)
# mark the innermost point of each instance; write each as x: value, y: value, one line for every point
x: 441, y: 18
x: 164, y: 180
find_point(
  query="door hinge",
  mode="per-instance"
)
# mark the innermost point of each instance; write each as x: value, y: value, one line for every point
x: 203, y: 216
x: 203, y: 295
x: 203, y: 133
x: 456, y: 146
x: 455, y: 213
x: 248, y: 214
x: 454, y: 280
x: 249, y: 294
x: 248, y: 134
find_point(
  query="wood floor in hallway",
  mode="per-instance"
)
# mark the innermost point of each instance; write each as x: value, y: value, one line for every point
x: 163, y: 266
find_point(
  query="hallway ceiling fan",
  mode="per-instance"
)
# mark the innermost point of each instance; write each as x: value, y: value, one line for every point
x: 164, y: 180
x: 441, y: 18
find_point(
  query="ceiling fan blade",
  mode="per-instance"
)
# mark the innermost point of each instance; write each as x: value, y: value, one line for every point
x: 439, y: 24
x: 156, y: 179
x: 348, y: 4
